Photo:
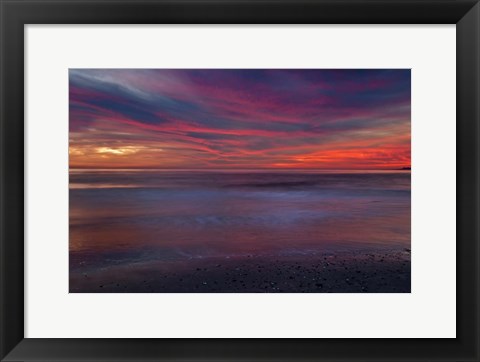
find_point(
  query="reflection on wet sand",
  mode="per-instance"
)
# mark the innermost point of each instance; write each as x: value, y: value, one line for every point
x: 145, y: 230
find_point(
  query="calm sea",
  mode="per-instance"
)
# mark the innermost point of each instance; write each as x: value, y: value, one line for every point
x: 126, y: 216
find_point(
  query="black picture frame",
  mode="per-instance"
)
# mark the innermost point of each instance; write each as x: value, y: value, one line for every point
x: 15, y: 14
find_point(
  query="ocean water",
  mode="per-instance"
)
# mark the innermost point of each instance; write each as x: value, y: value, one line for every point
x: 127, y: 217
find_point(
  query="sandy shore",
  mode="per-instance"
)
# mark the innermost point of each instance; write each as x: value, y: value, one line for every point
x: 385, y: 272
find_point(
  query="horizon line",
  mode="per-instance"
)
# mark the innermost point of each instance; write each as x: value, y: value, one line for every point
x: 404, y: 168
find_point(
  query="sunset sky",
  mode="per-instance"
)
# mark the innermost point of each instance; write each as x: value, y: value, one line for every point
x: 239, y: 119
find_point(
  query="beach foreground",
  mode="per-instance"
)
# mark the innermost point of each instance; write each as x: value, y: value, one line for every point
x: 161, y: 231
x: 369, y: 272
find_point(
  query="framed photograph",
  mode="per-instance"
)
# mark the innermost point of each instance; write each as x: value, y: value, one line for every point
x: 240, y: 180
x: 275, y: 180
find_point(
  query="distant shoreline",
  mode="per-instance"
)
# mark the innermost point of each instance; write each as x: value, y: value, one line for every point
x: 268, y: 170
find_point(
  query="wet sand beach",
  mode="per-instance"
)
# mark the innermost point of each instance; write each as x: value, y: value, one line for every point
x: 161, y: 231
x: 387, y: 272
